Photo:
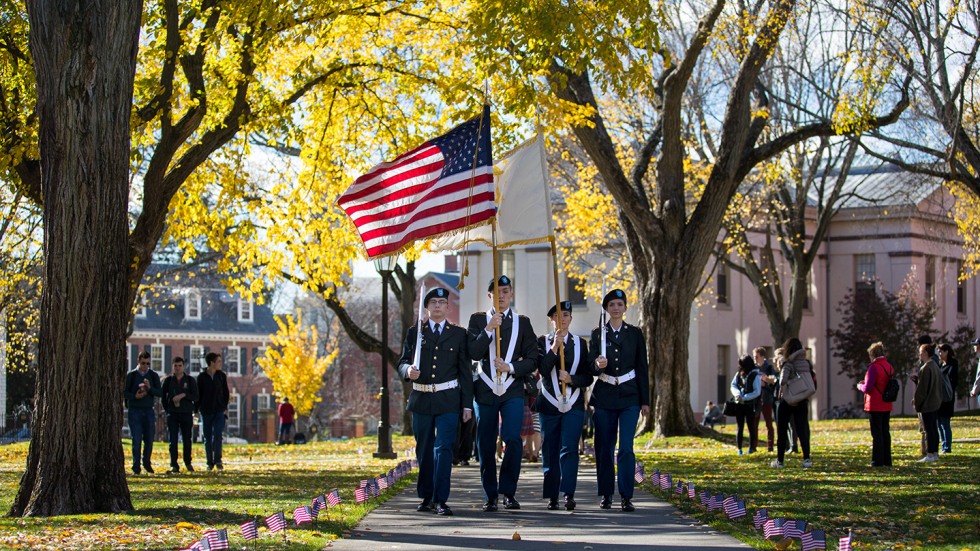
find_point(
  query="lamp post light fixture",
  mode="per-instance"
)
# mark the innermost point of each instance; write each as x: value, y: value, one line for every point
x: 384, y: 265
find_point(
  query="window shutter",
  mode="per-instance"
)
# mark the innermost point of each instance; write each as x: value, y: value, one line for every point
x: 167, y: 359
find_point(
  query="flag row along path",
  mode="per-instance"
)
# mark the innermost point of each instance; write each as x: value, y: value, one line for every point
x: 655, y: 524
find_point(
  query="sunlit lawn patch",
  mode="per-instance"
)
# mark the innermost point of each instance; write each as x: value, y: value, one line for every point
x: 909, y: 506
x: 173, y: 510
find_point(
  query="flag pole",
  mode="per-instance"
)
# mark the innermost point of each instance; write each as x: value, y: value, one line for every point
x: 496, y: 278
x: 558, y: 320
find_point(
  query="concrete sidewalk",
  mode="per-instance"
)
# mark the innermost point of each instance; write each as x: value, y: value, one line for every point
x: 654, y: 525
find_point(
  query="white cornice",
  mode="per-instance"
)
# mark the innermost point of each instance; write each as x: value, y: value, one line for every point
x: 199, y: 336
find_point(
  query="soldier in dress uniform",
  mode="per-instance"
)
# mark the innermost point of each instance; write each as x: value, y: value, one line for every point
x: 499, y: 391
x: 620, y: 394
x: 442, y: 386
x: 562, y: 414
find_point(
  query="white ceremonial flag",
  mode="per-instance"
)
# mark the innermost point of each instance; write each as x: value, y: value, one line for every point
x: 523, y: 202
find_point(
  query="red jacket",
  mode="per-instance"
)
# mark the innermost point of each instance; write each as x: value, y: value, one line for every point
x: 286, y: 412
x: 874, y: 384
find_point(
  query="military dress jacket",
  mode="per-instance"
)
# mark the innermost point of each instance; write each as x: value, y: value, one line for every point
x: 581, y: 379
x: 625, y: 354
x: 441, y: 360
x: 524, y: 358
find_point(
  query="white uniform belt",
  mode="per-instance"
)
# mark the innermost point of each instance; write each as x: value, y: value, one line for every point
x: 629, y: 376
x: 436, y: 387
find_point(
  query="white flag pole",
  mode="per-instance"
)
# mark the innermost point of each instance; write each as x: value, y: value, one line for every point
x: 602, y: 322
x: 418, y: 332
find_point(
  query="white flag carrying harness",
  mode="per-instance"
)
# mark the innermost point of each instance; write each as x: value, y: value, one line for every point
x: 568, y: 400
x: 506, y: 378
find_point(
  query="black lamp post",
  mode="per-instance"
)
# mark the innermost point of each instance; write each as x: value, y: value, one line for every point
x: 384, y: 266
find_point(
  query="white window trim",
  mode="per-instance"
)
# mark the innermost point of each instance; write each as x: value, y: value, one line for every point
x: 235, y: 419
x: 264, y: 397
x: 193, y: 296
x: 255, y: 363
x: 157, y: 363
x: 226, y: 361
x: 195, y: 367
x: 141, y: 310
x: 246, y: 306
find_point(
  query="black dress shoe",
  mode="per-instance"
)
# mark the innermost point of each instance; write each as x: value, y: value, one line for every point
x: 628, y: 505
x: 490, y: 506
x: 190, y: 468
x: 569, y: 503
x: 464, y: 463
x: 553, y: 504
x: 148, y: 469
x: 511, y: 503
x: 425, y: 506
x: 606, y: 502
x: 443, y: 510
x: 175, y: 469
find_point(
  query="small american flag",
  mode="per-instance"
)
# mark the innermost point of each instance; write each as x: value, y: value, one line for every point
x: 638, y: 474
x: 217, y: 539
x: 773, y: 527
x: 374, y: 490
x: 691, y: 493
x: 198, y: 546
x: 665, y: 482
x: 333, y: 498
x: 364, y: 484
x: 250, y: 530
x: 680, y: 488
x: 845, y: 542
x: 817, y: 539
x: 794, y: 528
x: 655, y: 477
x: 276, y: 522
x: 705, y: 498
x: 318, y: 503
x: 360, y: 495
x: 734, y: 507
x: 415, y: 463
x: 381, y: 482
x: 302, y: 514
x: 760, y: 518
x: 717, y: 502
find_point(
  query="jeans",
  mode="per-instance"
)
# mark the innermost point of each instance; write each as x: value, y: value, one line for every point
x: 142, y: 427
x: 435, y: 436
x: 743, y: 416
x: 180, y: 424
x: 607, y: 423
x: 797, y: 416
x: 214, y: 425
x: 881, y: 439
x: 945, y: 433
x: 505, y: 419
x: 930, y: 426
x: 559, y: 460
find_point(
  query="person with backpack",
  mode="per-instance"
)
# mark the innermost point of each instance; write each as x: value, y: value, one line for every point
x: 746, y: 388
x: 950, y: 369
x: 878, y: 386
x: 794, y: 405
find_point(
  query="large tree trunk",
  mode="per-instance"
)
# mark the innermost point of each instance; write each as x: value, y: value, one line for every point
x: 85, y: 62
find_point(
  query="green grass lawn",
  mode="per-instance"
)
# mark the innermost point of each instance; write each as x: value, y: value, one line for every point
x: 909, y: 506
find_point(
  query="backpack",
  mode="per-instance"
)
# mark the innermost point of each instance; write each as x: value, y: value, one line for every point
x: 890, y: 394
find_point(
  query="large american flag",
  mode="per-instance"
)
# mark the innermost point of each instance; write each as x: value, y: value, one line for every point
x: 217, y: 539
x: 302, y: 514
x: 276, y: 522
x: 817, y: 539
x: 250, y: 530
x: 442, y: 186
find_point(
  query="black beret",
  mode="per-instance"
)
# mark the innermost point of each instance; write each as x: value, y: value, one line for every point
x: 566, y: 306
x: 613, y: 295
x: 504, y: 281
x: 438, y: 292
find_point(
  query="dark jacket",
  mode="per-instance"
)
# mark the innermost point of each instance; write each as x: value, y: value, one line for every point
x: 213, y: 392
x: 581, y: 379
x: 441, y: 360
x: 172, y: 387
x: 133, y: 380
x: 951, y: 371
x: 928, y: 393
x: 525, y: 358
x: 628, y: 353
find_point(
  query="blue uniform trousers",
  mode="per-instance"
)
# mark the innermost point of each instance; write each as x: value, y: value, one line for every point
x: 511, y: 416
x: 607, y: 422
x: 435, y: 436
x: 560, y: 435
